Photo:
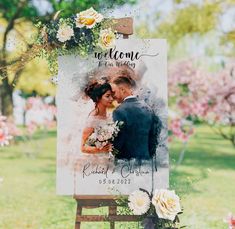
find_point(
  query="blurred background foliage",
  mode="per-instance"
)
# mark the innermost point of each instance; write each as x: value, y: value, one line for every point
x: 194, y: 21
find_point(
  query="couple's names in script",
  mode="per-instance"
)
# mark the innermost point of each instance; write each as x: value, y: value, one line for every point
x: 125, y: 170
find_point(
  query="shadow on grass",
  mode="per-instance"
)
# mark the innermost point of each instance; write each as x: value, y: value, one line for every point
x: 209, y: 160
x: 206, y: 151
x: 50, y: 169
x: 183, y: 182
x: 42, y: 135
x: 39, y: 135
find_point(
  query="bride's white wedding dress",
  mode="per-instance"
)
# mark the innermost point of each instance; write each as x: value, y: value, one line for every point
x: 95, y: 159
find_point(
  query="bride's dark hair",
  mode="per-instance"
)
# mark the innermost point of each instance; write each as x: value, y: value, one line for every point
x: 95, y: 90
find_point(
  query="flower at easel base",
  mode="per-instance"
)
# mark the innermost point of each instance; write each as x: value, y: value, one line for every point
x: 139, y: 202
x: 106, y: 39
x: 167, y: 204
x: 88, y: 18
x: 64, y: 33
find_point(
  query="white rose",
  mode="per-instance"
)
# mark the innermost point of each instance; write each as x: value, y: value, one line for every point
x: 64, y: 33
x: 167, y: 204
x: 98, y: 145
x: 100, y: 138
x: 109, y: 136
x: 88, y: 18
x: 106, y: 39
x: 104, y: 144
x: 111, y: 129
x: 139, y: 202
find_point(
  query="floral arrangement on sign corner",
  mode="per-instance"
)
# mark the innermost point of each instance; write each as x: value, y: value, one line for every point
x: 158, y: 210
x: 79, y: 34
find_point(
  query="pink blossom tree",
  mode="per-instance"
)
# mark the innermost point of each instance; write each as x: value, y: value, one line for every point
x: 39, y: 114
x: 221, y: 109
x: 208, y: 97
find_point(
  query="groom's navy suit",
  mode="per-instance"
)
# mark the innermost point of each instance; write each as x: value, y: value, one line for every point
x: 135, y: 137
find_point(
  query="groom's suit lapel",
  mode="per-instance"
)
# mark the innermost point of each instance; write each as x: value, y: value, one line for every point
x: 129, y: 100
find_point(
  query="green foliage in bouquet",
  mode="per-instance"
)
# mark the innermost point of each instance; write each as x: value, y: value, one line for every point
x: 79, y: 34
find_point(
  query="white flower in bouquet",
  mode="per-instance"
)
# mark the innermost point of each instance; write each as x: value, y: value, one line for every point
x: 167, y: 204
x: 64, y: 33
x: 88, y: 18
x: 107, y: 39
x: 100, y: 145
x: 100, y: 138
x: 139, y: 202
x: 104, y: 134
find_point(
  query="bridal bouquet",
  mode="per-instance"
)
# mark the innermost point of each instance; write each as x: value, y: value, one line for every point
x: 104, y: 134
x: 158, y: 210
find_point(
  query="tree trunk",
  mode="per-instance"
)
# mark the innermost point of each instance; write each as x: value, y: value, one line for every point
x: 6, y: 98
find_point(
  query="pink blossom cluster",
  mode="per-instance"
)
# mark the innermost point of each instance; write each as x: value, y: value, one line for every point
x: 230, y: 220
x: 182, y: 129
x: 189, y: 85
x: 8, y: 131
x: 207, y: 96
x: 39, y: 114
x: 222, y: 97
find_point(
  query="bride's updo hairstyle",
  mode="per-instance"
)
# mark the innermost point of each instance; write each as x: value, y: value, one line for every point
x: 96, y: 90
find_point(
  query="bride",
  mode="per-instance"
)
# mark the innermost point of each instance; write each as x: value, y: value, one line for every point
x: 101, y: 94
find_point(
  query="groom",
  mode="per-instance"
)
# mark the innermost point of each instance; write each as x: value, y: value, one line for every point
x: 136, y: 138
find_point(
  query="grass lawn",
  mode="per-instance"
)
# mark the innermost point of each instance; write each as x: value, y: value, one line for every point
x: 205, y: 181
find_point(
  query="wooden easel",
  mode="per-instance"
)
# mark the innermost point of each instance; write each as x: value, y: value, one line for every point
x: 101, y: 201
x: 123, y: 26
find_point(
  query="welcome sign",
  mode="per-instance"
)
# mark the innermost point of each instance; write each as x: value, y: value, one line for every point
x: 112, y: 120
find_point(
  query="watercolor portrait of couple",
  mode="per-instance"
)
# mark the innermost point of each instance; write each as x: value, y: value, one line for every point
x: 112, y: 121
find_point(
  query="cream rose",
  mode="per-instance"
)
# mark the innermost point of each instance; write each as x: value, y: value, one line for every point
x: 166, y: 203
x: 88, y: 18
x: 106, y: 39
x: 64, y: 33
x: 139, y: 202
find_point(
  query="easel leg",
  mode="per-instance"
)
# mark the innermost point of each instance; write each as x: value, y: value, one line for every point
x: 79, y: 212
x: 112, y: 211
